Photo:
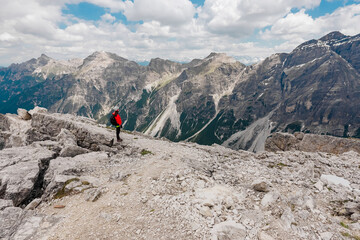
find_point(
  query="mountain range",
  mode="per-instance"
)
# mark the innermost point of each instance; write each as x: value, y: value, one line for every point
x: 313, y: 89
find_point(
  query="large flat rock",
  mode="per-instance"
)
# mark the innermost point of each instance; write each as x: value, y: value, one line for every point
x: 19, y: 170
x: 88, y: 134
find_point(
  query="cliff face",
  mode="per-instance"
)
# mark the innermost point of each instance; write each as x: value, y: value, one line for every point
x: 313, y: 89
x: 61, y: 177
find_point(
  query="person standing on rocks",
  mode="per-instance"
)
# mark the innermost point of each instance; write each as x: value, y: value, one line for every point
x: 115, y: 120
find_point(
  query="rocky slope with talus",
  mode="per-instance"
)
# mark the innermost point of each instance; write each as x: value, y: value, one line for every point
x: 78, y: 185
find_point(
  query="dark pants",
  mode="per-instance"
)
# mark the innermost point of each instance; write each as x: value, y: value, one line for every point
x: 118, y: 132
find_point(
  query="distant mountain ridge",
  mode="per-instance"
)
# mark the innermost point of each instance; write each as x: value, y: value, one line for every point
x: 314, y: 89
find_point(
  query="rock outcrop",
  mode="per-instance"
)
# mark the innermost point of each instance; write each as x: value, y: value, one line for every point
x: 311, y: 143
x: 146, y: 188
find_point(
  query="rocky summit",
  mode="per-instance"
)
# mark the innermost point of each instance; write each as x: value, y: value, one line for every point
x: 313, y: 89
x: 62, y: 177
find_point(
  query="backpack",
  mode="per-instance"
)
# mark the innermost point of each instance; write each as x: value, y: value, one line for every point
x: 113, y: 120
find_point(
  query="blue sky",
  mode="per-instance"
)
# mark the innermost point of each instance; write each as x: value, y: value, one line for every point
x: 177, y: 30
x: 89, y: 11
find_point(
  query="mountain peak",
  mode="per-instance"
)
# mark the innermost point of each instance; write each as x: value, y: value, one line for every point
x: 43, y: 59
x: 160, y: 65
x: 336, y: 35
x: 44, y: 56
x: 215, y: 55
x: 220, y: 57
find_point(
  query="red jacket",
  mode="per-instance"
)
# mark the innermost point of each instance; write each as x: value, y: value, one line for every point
x: 117, y: 118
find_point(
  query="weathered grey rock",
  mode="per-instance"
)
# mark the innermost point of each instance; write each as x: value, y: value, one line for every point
x: 311, y: 143
x: 56, y: 184
x: 38, y: 109
x: 72, y: 151
x: 34, y: 203
x: 4, y: 139
x: 66, y: 169
x: 205, y: 211
x: 5, y: 203
x: 23, y: 114
x: 9, y: 219
x: 32, y: 135
x: 269, y: 198
x: 319, y: 185
x: 228, y: 230
x: 4, y: 123
x: 19, y: 224
x: 88, y: 134
x: 326, y: 235
x: 19, y: 171
x: 65, y: 137
x: 48, y: 144
x: 299, y: 135
x: 355, y: 216
x: 265, y: 236
x: 92, y: 194
x: 287, y: 218
x: 260, y: 186
x: 335, y: 180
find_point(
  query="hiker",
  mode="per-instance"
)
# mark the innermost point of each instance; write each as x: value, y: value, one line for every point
x: 115, y: 120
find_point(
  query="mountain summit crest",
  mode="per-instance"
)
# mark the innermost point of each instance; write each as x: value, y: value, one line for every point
x: 336, y: 35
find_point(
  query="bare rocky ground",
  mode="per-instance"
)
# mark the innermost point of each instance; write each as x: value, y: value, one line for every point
x: 60, y: 178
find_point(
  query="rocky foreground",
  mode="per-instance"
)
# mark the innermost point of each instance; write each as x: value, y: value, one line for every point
x: 62, y: 178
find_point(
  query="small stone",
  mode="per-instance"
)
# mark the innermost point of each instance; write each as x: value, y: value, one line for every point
x: 261, y: 187
x: 335, y: 180
x: 23, y: 114
x: 299, y: 135
x: 59, y: 206
x: 34, y: 203
x: 265, y: 236
x: 355, y: 216
x: 92, y: 195
x: 287, y: 218
x: 319, y: 185
x: 5, y: 203
x: 228, y: 230
x: 208, y: 203
x: 326, y: 235
x: 269, y: 198
x: 310, y: 203
x: 229, y: 203
x: 206, y: 212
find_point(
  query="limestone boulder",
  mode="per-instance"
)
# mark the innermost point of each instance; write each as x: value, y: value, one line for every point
x: 4, y: 123
x: 16, y: 223
x: 24, y: 114
x: 87, y: 133
x: 64, y: 170
x: 19, y: 171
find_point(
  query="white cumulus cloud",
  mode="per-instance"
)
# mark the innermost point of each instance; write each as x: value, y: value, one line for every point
x: 242, y: 17
x: 298, y: 27
x: 164, y: 11
x: 170, y: 29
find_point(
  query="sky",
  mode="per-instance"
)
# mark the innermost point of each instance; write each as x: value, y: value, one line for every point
x: 178, y: 30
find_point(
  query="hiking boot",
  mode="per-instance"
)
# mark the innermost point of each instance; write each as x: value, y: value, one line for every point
x: 119, y: 140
